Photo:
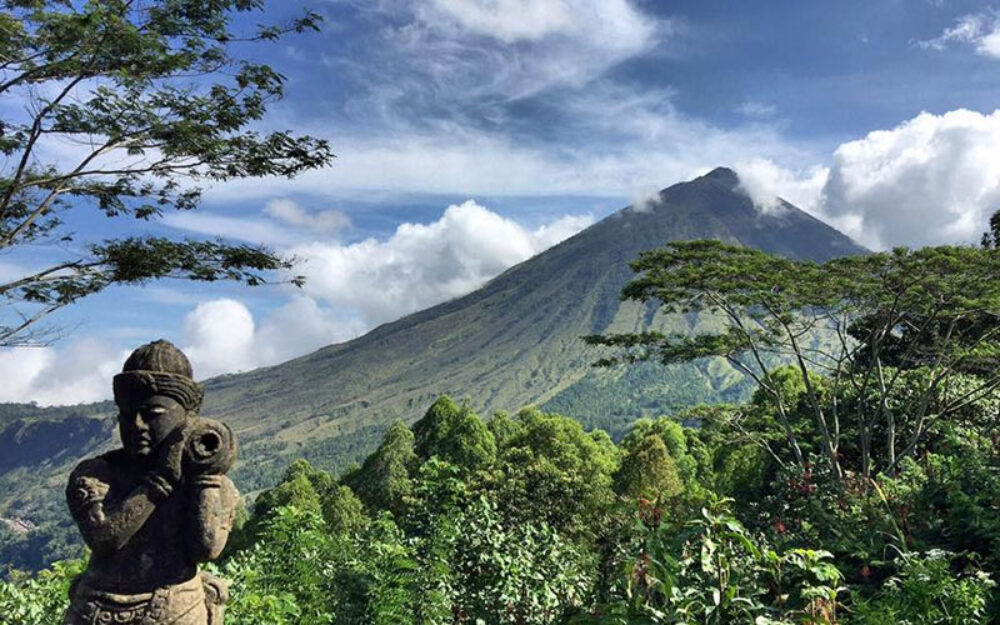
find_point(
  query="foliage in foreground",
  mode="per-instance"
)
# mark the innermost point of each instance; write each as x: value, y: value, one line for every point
x: 646, y: 540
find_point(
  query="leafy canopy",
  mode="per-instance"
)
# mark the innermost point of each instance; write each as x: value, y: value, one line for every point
x: 907, y: 338
x: 127, y: 107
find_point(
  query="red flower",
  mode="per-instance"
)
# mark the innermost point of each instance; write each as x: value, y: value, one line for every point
x: 866, y: 572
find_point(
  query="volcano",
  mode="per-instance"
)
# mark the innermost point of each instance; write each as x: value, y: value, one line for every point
x: 516, y: 341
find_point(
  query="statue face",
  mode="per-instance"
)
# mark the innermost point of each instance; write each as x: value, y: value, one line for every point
x: 145, y: 422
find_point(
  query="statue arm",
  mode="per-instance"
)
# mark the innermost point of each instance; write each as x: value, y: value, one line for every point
x: 214, y: 499
x: 106, y: 528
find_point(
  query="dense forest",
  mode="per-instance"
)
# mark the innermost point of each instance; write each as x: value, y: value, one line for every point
x: 858, y: 485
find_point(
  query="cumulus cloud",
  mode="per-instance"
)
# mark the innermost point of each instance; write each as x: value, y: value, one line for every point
x: 222, y: 336
x: 219, y: 337
x: 981, y: 30
x: 352, y: 288
x: 423, y: 264
x: 302, y: 325
x: 559, y: 230
x: 79, y: 372
x: 930, y: 180
x: 20, y: 367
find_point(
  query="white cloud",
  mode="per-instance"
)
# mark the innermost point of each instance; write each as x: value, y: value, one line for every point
x: 644, y: 200
x: 251, y: 229
x: 436, y: 110
x: 543, y: 43
x: 611, y: 141
x: 932, y: 179
x: 989, y: 43
x: 79, y: 372
x: 170, y: 296
x: 765, y: 182
x: 291, y: 213
x: 471, y: 56
x: 559, y: 230
x: 506, y: 20
x: 219, y: 337
x: 981, y: 30
x: 19, y: 368
x: 756, y: 110
x: 282, y: 222
x: 421, y: 265
x: 301, y: 326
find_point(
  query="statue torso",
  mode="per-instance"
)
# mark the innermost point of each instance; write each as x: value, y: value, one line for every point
x: 155, y: 555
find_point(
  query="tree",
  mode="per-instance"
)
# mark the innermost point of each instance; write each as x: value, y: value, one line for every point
x: 554, y: 472
x: 141, y: 101
x: 648, y: 471
x: 455, y: 434
x: 384, y: 481
x: 343, y: 511
x: 905, y: 338
x: 300, y: 488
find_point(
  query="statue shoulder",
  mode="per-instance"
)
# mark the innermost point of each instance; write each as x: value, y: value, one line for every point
x: 90, y: 480
x: 102, y: 466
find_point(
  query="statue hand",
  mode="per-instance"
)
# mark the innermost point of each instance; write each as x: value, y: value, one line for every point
x: 170, y: 454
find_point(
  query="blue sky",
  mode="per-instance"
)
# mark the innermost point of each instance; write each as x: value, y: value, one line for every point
x: 472, y: 134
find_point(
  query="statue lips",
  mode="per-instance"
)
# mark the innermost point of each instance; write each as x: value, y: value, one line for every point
x: 140, y: 444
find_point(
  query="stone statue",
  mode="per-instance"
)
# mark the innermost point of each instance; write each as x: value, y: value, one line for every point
x: 152, y: 510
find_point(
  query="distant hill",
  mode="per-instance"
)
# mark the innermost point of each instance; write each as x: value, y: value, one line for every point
x: 515, y: 341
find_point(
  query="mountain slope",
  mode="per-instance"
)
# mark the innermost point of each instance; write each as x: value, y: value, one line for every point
x: 516, y: 340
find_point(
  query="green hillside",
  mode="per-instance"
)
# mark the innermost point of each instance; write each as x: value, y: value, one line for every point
x: 516, y: 341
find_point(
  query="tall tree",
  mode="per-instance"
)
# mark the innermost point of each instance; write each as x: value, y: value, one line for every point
x: 648, y: 471
x: 454, y: 434
x: 126, y: 106
x: 908, y: 337
x: 385, y: 480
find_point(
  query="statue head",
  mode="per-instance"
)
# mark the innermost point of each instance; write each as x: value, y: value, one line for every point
x: 156, y: 393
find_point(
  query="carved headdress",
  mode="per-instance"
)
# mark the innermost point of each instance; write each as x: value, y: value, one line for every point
x: 159, y: 368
